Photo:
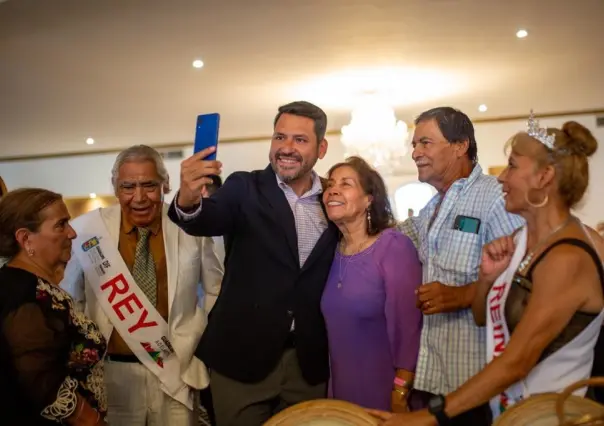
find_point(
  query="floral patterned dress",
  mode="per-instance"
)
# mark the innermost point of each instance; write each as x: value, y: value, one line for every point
x: 50, y: 353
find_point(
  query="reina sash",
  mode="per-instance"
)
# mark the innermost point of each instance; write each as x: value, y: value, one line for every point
x: 498, y: 334
x: 137, y: 321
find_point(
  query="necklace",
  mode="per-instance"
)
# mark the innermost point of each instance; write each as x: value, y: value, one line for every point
x: 342, y: 270
x: 529, y: 256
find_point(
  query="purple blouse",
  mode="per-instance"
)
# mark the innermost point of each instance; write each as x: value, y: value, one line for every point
x: 373, y: 324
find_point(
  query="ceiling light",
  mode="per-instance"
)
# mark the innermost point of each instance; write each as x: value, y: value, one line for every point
x: 197, y: 63
x: 482, y: 108
x: 521, y: 33
x: 89, y: 141
x: 92, y: 195
x: 399, y: 87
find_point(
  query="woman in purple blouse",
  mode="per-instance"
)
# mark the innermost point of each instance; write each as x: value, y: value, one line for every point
x: 373, y: 324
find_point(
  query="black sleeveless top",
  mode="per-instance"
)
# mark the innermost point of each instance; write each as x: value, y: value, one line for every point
x: 520, y: 292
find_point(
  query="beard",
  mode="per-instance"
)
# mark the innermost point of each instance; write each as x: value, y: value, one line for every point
x: 304, y: 167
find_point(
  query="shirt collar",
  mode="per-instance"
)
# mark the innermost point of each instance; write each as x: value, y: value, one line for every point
x: 459, y: 184
x: 317, y: 186
x: 128, y: 227
x: 466, y: 182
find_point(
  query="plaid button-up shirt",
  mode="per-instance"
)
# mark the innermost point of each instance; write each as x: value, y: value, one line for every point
x: 452, y: 347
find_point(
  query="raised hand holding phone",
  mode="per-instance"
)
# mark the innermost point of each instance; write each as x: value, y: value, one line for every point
x: 193, y: 176
x: 206, y: 133
x: 195, y: 169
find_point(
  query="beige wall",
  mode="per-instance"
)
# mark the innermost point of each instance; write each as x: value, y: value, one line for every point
x: 79, y: 176
x: 80, y: 205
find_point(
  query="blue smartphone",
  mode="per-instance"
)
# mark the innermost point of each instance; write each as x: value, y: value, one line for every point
x: 206, y: 133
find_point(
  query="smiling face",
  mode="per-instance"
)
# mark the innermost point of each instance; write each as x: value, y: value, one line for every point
x: 294, y: 147
x: 140, y: 192
x: 515, y: 180
x: 524, y: 180
x: 434, y: 156
x: 345, y: 199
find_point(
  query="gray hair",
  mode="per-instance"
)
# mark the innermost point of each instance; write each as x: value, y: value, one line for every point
x: 138, y: 154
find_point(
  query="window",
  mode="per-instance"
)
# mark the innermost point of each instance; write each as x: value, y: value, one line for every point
x: 410, y: 198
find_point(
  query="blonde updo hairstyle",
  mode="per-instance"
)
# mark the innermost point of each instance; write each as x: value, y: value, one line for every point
x: 573, y: 145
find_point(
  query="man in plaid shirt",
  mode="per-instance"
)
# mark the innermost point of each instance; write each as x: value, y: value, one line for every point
x: 449, y: 233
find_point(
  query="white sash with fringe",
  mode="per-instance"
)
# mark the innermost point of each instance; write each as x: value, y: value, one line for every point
x: 136, y: 320
x: 498, y: 334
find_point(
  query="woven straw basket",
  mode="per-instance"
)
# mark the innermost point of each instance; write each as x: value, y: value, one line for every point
x: 323, y: 412
x: 553, y: 409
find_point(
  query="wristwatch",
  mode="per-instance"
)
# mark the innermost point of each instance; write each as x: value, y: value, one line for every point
x: 436, y: 407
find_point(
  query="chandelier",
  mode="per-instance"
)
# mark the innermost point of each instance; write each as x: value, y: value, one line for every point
x: 375, y: 134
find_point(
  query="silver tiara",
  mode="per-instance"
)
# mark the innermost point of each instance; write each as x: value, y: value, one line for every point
x: 539, y: 133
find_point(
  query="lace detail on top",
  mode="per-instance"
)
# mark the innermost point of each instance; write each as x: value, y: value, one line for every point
x: 86, y: 326
x: 95, y: 382
x: 87, y: 350
x: 66, y: 402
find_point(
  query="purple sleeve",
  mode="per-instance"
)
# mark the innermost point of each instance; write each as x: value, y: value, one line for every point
x: 402, y: 273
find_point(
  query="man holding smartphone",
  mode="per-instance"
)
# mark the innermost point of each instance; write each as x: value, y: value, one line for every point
x: 266, y: 343
x: 468, y: 212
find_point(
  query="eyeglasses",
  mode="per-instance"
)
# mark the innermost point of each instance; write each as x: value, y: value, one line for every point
x: 129, y: 188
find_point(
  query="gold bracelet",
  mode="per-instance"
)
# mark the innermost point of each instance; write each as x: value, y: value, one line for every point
x: 402, y: 392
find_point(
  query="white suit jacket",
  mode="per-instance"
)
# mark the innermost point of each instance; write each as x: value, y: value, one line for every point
x: 191, y: 261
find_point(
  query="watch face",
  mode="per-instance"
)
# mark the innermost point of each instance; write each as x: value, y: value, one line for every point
x: 436, y: 403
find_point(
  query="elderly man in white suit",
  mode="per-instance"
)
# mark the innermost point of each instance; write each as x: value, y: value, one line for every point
x: 136, y: 274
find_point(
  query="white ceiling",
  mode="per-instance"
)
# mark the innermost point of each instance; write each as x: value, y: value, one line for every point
x: 120, y: 70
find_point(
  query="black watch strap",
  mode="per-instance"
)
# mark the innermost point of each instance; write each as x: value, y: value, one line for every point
x: 442, y: 419
x: 436, y: 407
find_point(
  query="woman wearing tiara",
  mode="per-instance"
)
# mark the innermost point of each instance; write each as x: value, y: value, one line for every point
x: 540, y: 290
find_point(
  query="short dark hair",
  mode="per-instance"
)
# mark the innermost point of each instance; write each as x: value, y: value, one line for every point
x: 455, y: 126
x: 306, y: 109
x: 22, y: 208
x: 216, y: 181
x: 215, y: 185
x: 373, y: 185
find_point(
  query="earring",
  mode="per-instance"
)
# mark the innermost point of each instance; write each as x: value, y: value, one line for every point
x: 368, y: 220
x: 536, y: 205
x: 30, y: 252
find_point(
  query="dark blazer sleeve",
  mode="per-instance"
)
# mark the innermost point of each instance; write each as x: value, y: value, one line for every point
x: 219, y: 213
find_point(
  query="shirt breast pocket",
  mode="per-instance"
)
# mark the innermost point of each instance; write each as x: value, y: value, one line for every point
x: 460, y: 252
